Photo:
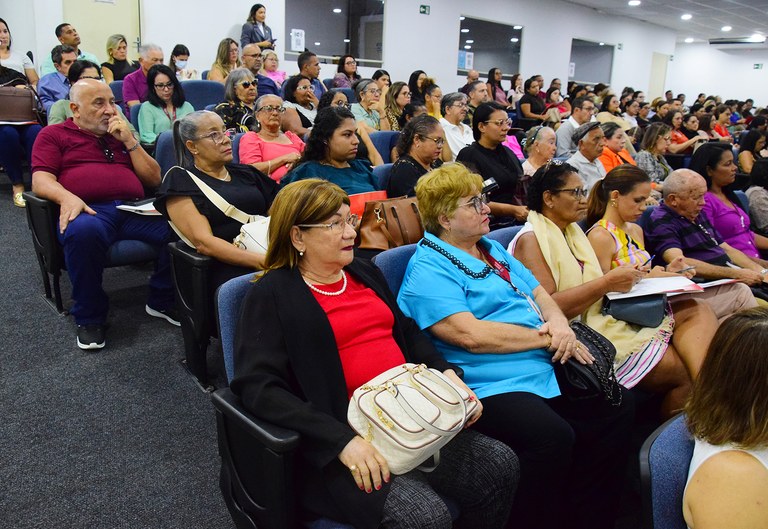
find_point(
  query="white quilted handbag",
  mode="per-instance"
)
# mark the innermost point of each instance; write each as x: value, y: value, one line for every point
x: 253, y: 236
x: 408, y: 413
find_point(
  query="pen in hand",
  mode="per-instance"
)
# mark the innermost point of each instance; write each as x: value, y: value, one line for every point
x: 686, y: 269
x: 648, y: 261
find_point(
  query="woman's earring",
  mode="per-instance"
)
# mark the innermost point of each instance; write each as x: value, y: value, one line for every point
x: 613, y: 203
x: 301, y: 254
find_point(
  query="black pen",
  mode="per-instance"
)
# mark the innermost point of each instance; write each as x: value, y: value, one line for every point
x: 687, y: 268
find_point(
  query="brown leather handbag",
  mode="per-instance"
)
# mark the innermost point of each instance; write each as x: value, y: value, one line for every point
x: 20, y: 105
x: 390, y: 223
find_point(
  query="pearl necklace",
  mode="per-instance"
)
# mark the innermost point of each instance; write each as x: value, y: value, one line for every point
x: 326, y: 293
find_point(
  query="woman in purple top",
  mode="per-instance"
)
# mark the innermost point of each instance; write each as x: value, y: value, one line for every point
x: 714, y: 161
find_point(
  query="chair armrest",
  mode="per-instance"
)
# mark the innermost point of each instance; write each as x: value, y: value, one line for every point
x: 275, y: 438
x: 42, y: 218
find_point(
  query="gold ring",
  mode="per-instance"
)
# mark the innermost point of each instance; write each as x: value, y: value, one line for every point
x: 353, y: 468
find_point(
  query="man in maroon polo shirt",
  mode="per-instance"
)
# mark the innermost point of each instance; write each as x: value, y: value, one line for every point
x: 88, y: 165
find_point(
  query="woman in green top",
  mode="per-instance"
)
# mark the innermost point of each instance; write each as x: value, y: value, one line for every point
x: 368, y: 94
x: 165, y: 103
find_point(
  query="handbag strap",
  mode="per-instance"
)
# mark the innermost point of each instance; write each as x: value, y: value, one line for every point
x: 216, y: 199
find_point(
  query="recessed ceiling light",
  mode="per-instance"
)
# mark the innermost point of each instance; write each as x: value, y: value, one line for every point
x: 467, y: 47
x: 470, y: 41
x: 464, y: 30
x: 346, y: 40
x: 726, y: 28
x: 514, y: 39
x: 634, y: 3
x: 337, y: 10
x: 757, y: 37
x: 317, y: 44
x: 689, y: 40
x: 462, y: 18
x: 686, y: 16
x: 517, y: 27
x: 602, y: 43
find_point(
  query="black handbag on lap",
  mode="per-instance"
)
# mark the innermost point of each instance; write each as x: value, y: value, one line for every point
x: 645, y: 311
x: 584, y: 381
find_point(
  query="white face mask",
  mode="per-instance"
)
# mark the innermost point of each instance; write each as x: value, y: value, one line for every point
x: 181, y: 64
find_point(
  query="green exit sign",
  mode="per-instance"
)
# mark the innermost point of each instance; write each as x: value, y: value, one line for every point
x: 758, y: 66
x: 423, y: 10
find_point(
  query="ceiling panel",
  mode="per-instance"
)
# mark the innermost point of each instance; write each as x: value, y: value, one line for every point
x: 746, y: 17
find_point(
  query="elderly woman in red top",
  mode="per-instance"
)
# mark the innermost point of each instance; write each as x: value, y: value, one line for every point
x: 269, y: 150
x: 302, y: 348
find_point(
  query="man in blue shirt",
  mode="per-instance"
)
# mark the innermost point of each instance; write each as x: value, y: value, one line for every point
x: 252, y: 60
x: 55, y: 86
x: 309, y: 67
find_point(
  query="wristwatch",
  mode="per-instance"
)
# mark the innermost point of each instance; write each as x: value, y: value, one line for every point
x: 764, y: 271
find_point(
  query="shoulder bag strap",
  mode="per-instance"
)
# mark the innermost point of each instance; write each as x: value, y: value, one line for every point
x: 228, y: 209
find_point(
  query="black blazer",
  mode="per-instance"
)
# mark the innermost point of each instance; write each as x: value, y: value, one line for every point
x: 288, y: 372
x: 250, y: 34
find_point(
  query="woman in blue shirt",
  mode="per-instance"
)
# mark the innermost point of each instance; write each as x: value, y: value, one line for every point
x: 488, y: 314
x: 330, y: 154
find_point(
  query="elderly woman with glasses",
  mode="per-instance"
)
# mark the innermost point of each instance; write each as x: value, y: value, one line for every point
x: 492, y: 160
x: 269, y: 150
x: 662, y: 359
x: 317, y: 325
x: 656, y: 141
x: 300, y: 104
x: 366, y: 111
x: 419, y: 149
x: 204, y: 151
x: 487, y: 313
x: 164, y: 105
x: 239, y: 96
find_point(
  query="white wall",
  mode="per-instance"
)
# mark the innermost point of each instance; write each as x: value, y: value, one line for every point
x: 413, y: 41
x: 700, y: 68
x: 32, y: 25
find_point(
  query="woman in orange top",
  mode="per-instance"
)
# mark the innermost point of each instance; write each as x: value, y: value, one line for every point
x: 682, y: 143
x: 614, y: 152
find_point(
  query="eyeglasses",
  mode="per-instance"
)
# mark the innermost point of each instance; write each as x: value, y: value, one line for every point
x: 350, y: 62
x: 500, y: 122
x: 303, y: 88
x: 270, y: 109
x: 478, y: 202
x: 405, y: 94
x: 161, y: 86
x: 342, y: 104
x: 108, y: 153
x: 374, y: 91
x: 576, y: 192
x: 248, y: 84
x: 668, y: 139
x: 218, y: 136
x: 459, y: 105
x: 337, y: 226
x: 438, y: 141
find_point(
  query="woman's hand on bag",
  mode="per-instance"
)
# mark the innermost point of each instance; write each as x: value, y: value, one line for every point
x: 367, y: 466
x: 472, y: 419
x: 564, y: 343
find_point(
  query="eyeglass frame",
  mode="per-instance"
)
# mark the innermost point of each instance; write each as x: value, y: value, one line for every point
x: 270, y: 109
x: 477, y: 202
x: 352, y: 220
x: 576, y: 192
x: 228, y: 133
x: 161, y: 86
x: 500, y: 122
x: 248, y: 84
x: 439, y: 142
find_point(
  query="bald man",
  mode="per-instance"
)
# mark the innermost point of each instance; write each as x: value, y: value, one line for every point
x: 472, y: 76
x: 88, y: 165
x: 677, y: 228
x: 252, y: 59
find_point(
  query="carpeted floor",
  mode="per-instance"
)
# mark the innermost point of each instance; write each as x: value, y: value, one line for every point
x: 121, y: 438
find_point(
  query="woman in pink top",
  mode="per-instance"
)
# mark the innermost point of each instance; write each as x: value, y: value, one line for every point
x: 271, y: 151
x: 714, y: 161
x: 269, y: 68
